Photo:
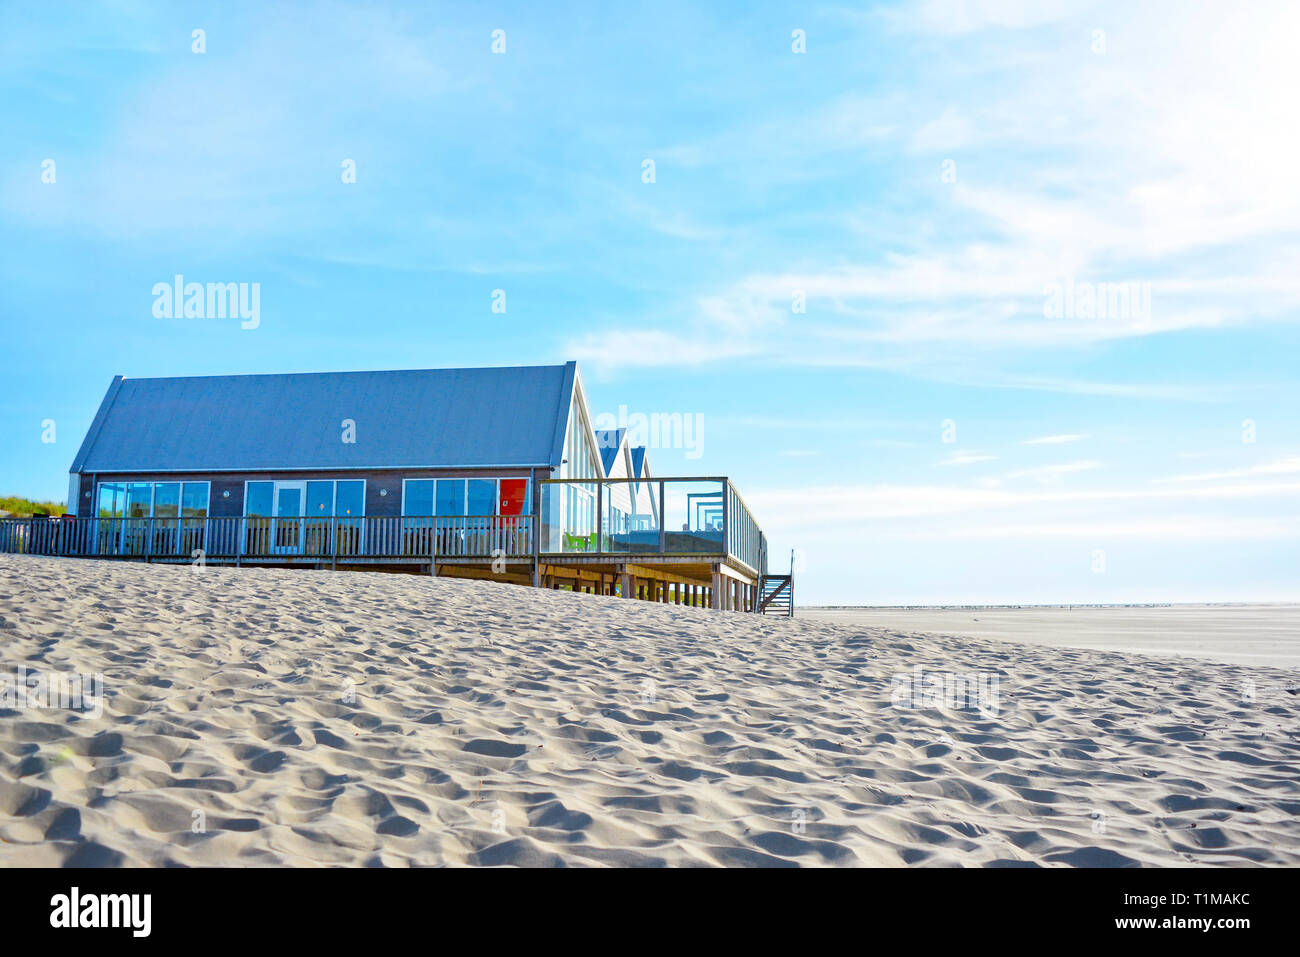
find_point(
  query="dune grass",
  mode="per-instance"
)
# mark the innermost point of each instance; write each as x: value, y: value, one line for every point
x: 18, y: 506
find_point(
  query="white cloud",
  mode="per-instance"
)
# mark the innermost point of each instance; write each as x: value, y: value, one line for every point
x: 798, y: 508
x: 1283, y: 467
x: 967, y: 458
x: 1054, y: 439
x: 233, y: 145
x: 654, y: 347
x: 1053, y: 471
x: 1183, y: 529
x: 1161, y: 161
x: 950, y: 130
x: 968, y: 16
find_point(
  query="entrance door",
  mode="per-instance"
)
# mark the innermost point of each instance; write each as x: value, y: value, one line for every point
x: 287, y: 532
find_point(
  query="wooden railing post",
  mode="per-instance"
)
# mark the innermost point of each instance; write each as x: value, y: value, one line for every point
x: 535, y: 536
x: 726, y: 509
x: 663, y: 524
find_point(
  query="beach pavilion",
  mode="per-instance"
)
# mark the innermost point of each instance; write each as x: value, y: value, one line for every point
x: 491, y: 473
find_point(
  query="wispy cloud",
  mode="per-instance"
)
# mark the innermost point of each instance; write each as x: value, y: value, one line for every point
x: 1036, y: 202
x: 1194, y: 528
x: 885, y: 502
x: 1054, y: 439
x: 967, y: 458
x: 1053, y: 471
x: 1286, y: 466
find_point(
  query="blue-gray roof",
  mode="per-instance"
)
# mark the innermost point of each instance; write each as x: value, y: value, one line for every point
x: 425, y: 418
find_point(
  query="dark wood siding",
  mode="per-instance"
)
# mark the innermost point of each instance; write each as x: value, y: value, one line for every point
x: 390, y: 504
x: 86, y: 497
x: 221, y: 505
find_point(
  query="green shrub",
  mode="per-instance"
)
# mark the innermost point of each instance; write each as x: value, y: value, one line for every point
x: 22, y: 507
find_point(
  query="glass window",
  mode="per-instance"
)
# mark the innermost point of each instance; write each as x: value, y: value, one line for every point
x: 320, y: 499
x: 482, y: 499
x: 167, y: 500
x: 288, y: 501
x: 139, y: 499
x: 451, y: 497
x: 419, y: 497
x: 258, y: 498
x: 112, y: 497
x: 159, y: 499
x: 194, y: 500
x: 350, y: 498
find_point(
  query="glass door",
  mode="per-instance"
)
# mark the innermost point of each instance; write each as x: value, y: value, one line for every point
x: 112, y: 503
x: 139, y: 506
x: 287, y: 530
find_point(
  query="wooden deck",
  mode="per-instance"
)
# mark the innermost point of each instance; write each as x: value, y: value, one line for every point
x: 497, y: 548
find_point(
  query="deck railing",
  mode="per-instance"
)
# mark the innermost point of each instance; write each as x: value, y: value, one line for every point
x: 334, y: 539
x: 612, y: 518
x: 682, y: 517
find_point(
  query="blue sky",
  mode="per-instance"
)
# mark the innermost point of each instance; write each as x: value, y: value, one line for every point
x: 922, y: 178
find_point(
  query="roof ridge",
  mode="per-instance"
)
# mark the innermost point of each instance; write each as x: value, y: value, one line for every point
x: 282, y: 375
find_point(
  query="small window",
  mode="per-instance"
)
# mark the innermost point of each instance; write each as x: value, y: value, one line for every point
x: 320, y: 499
x: 194, y: 500
x: 259, y: 503
x: 350, y: 498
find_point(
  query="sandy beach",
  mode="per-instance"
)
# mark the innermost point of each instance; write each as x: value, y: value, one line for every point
x: 1240, y: 634
x: 270, y: 718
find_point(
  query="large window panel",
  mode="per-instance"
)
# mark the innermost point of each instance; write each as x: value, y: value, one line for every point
x: 451, y: 497
x: 482, y: 497
x: 194, y: 500
x: 112, y: 499
x: 139, y: 499
x: 419, y: 498
x: 167, y: 500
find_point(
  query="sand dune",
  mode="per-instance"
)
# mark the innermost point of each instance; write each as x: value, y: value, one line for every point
x: 318, y: 718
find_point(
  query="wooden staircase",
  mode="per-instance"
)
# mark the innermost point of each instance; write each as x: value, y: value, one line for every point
x: 776, y: 595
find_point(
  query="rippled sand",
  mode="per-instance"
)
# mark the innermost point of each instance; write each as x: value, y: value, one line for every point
x: 351, y: 718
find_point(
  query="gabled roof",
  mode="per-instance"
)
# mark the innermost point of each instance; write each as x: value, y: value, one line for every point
x: 417, y: 418
x: 610, y: 442
x: 638, y: 460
